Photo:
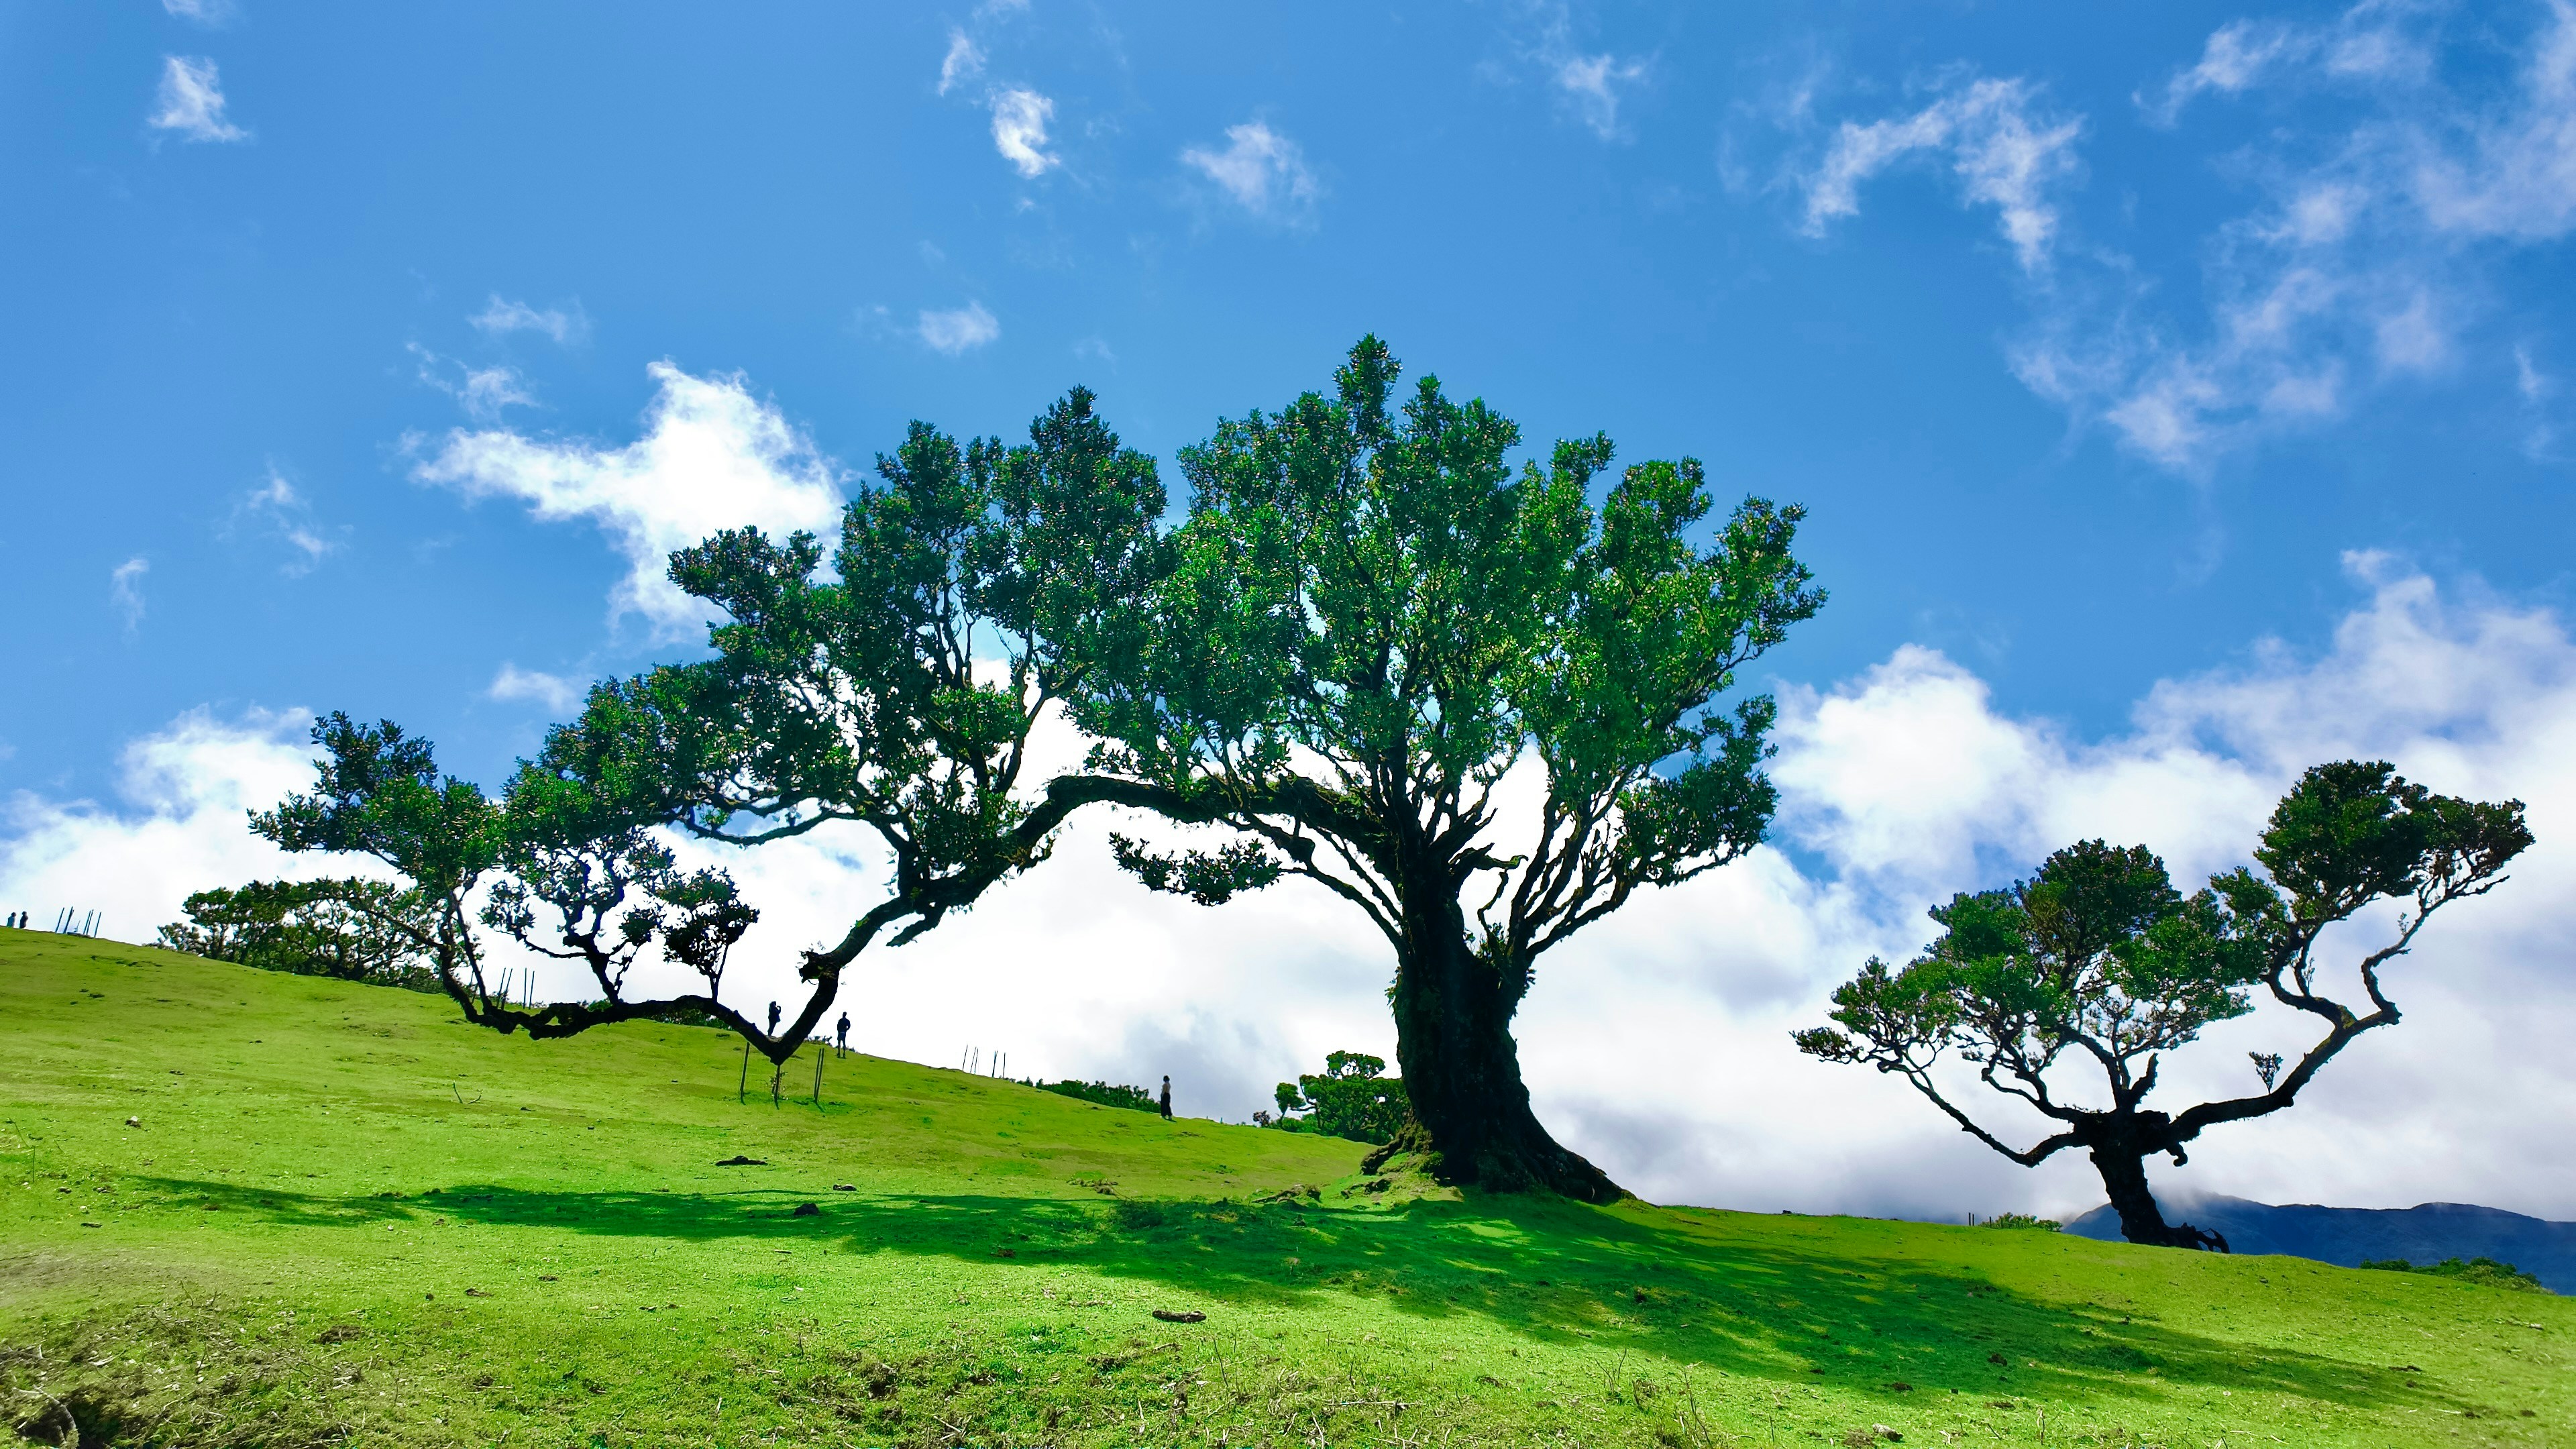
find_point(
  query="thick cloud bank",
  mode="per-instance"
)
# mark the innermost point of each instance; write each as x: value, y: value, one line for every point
x: 1658, y: 1043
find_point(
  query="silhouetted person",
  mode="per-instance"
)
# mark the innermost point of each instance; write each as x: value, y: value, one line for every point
x: 773, y: 1018
x: 1167, y: 1099
x: 845, y: 1034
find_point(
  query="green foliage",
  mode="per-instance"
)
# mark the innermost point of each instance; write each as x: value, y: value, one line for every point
x: 1370, y: 616
x: 973, y: 587
x: 2021, y: 1221
x: 2485, y: 1272
x: 2098, y: 961
x: 338, y: 928
x: 1107, y: 1095
x: 1350, y: 1098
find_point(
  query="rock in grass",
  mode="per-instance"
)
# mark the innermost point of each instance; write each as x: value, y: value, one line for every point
x: 806, y: 1210
x: 738, y: 1160
x: 1180, y: 1315
x: 845, y: 1187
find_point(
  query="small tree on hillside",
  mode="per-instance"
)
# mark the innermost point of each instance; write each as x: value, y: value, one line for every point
x: 1371, y: 620
x: 1352, y: 1097
x: 2098, y: 965
x: 352, y: 929
x: 973, y: 588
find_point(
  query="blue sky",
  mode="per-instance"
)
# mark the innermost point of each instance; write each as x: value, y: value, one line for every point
x: 357, y: 355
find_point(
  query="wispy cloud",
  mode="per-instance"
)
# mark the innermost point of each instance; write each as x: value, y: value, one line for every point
x: 958, y: 330
x: 1020, y: 130
x: 484, y: 392
x: 555, y: 692
x: 125, y: 592
x: 191, y: 102
x: 1588, y: 85
x: 1995, y: 135
x: 2536, y: 388
x: 208, y: 13
x: 712, y: 456
x: 1592, y: 83
x: 2371, y: 41
x: 1260, y: 170
x: 2365, y: 263
x: 500, y: 317
x: 279, y: 510
x: 963, y: 63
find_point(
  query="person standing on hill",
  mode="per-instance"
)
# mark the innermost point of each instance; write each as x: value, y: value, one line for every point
x: 773, y: 1018
x: 1167, y: 1099
x: 844, y: 1038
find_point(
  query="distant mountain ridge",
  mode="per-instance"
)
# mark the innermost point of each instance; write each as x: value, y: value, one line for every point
x: 2426, y: 1233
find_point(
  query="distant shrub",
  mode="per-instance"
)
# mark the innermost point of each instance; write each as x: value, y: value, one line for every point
x: 2485, y: 1272
x: 2020, y: 1220
x: 1349, y: 1099
x: 1130, y: 1215
x: 1134, y: 1098
x: 351, y: 930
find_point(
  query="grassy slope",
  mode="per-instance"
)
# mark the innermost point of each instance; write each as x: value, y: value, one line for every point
x: 345, y: 1215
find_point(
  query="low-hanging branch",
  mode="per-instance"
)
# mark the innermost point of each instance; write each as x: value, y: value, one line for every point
x: 973, y: 587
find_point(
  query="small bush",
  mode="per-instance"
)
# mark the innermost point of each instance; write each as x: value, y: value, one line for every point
x: 2485, y: 1272
x: 1349, y: 1099
x: 2021, y: 1220
x: 1134, y: 1098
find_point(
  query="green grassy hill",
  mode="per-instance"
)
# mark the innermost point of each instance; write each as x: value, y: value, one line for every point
x: 337, y: 1215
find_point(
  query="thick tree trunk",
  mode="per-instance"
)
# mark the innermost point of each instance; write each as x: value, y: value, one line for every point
x: 2124, y: 1176
x: 1471, y: 1115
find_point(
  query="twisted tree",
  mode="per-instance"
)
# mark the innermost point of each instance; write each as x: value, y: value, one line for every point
x: 1370, y: 622
x: 973, y: 588
x: 2098, y: 966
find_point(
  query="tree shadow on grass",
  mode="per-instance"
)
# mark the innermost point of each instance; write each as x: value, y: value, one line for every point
x: 1553, y: 1271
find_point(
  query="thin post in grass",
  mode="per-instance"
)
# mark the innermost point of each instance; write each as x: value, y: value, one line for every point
x: 818, y: 1076
x: 742, y: 1089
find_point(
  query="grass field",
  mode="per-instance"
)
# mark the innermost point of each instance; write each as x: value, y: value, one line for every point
x: 339, y: 1216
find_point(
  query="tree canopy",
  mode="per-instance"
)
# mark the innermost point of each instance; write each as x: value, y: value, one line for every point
x: 974, y: 586
x: 1372, y: 619
x: 2097, y: 966
x: 1483, y: 703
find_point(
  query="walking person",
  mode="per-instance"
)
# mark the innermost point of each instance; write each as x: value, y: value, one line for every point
x: 1167, y: 1099
x: 844, y: 1038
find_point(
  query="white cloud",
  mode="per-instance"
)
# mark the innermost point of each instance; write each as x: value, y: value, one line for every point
x: 1020, y: 130
x: 278, y: 509
x: 191, y: 102
x: 963, y: 63
x: 125, y: 592
x: 183, y: 791
x: 1261, y: 170
x: 2005, y: 152
x: 1657, y: 1043
x: 2371, y: 251
x: 1592, y: 83
x: 482, y: 391
x: 712, y: 457
x: 959, y: 329
x: 209, y: 13
x: 501, y: 318
x: 555, y: 692
x: 1588, y: 85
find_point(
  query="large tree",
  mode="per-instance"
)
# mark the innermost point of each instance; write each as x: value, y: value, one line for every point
x: 1462, y: 696
x: 974, y: 587
x: 2097, y: 966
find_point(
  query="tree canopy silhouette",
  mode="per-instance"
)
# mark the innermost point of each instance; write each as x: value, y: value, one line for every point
x: 2097, y: 966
